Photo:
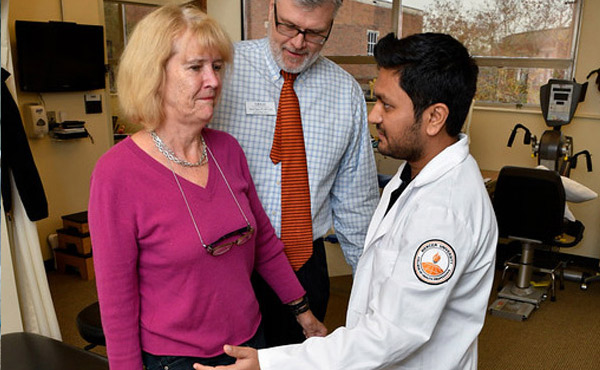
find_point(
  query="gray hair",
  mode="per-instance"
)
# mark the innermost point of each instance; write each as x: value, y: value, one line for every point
x: 311, y: 4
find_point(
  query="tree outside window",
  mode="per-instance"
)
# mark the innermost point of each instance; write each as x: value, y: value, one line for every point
x: 518, y: 44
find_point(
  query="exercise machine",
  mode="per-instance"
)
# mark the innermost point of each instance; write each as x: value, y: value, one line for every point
x: 554, y: 150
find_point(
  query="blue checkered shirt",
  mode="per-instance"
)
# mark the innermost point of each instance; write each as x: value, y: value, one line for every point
x: 341, y: 165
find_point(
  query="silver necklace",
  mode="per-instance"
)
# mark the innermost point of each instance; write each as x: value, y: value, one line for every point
x: 170, y: 155
x: 188, y: 205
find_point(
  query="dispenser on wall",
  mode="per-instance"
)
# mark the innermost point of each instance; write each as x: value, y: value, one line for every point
x: 36, y: 121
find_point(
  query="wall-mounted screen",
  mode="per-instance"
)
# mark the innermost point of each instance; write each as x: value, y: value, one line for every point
x: 59, y: 56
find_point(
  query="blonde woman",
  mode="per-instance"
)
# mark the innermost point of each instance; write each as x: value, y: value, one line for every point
x: 177, y: 227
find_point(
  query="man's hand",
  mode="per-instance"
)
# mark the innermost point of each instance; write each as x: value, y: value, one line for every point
x: 311, y: 327
x: 247, y: 359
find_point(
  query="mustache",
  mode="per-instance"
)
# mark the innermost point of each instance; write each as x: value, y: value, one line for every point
x: 296, y: 51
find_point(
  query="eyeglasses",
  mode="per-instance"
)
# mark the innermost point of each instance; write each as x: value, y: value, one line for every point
x: 245, y: 233
x: 220, y: 246
x: 291, y: 30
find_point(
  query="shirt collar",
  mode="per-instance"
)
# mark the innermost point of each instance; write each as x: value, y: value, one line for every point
x: 445, y: 161
x: 406, y: 173
x: 273, y: 68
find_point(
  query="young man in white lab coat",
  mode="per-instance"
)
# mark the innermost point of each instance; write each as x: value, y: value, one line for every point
x: 421, y: 288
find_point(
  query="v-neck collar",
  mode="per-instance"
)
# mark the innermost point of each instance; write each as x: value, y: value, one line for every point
x: 204, y: 192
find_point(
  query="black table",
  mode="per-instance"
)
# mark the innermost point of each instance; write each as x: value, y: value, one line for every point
x: 27, y: 351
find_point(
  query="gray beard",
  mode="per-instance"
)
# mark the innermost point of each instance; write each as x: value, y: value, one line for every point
x: 278, y: 57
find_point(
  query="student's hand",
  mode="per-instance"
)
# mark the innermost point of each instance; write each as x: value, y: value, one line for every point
x: 310, y: 325
x: 247, y: 359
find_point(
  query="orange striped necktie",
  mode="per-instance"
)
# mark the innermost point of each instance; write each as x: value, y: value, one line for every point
x: 288, y: 148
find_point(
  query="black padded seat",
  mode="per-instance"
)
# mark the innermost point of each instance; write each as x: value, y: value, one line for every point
x: 530, y: 205
x: 89, y: 326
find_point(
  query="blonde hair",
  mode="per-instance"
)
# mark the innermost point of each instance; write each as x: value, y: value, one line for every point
x: 141, y: 73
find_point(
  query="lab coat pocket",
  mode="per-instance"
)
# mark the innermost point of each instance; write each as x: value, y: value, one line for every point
x: 375, y: 266
x: 384, y: 261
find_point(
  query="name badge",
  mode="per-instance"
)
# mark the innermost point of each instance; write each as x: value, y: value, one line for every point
x: 260, y: 108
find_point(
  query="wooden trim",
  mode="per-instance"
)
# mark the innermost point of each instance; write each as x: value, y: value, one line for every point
x: 352, y: 59
x: 554, y: 63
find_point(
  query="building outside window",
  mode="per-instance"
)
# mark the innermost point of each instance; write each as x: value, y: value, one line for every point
x: 346, y: 44
x: 518, y: 44
x: 372, y: 37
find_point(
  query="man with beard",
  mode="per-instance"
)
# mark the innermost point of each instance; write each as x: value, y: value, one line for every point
x: 423, y: 282
x: 341, y: 190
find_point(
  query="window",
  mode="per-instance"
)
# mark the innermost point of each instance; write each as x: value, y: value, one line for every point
x: 372, y: 37
x: 518, y: 44
x: 120, y: 18
x: 346, y: 44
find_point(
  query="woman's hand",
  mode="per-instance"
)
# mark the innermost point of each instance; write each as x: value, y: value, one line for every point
x: 310, y: 325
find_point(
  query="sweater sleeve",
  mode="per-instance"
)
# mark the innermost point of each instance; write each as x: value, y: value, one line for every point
x: 270, y: 259
x: 113, y: 233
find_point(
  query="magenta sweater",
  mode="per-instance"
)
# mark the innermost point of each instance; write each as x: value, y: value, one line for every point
x: 159, y: 290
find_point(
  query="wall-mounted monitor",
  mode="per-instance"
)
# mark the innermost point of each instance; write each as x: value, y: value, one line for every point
x: 59, y: 56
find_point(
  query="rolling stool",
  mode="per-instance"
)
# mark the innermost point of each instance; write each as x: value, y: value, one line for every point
x: 89, y: 326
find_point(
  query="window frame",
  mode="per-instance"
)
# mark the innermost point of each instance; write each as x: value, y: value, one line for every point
x: 112, y: 60
x: 371, y: 34
x: 568, y: 64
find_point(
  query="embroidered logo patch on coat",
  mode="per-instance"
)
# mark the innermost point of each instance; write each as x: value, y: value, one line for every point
x: 434, y: 262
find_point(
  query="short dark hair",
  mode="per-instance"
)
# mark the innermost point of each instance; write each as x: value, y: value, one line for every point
x: 433, y: 68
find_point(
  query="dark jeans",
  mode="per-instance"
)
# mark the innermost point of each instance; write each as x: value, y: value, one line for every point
x: 279, y: 323
x: 153, y: 362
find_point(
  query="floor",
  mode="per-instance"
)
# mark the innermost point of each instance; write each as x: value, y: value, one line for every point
x: 559, y: 335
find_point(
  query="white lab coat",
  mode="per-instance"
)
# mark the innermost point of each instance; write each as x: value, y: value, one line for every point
x: 396, y: 320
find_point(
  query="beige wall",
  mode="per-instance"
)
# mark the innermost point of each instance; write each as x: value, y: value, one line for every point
x: 229, y: 14
x: 64, y: 166
x: 490, y: 130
